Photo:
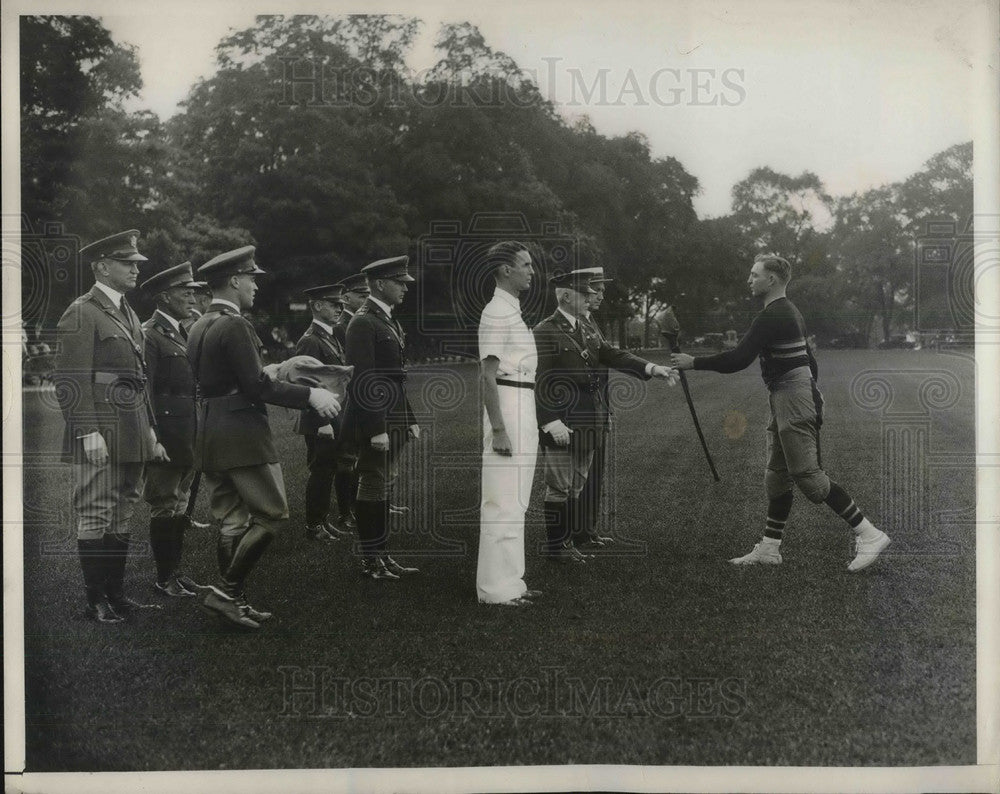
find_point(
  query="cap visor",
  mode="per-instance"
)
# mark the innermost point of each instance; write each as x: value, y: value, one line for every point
x: 404, y: 277
x: 127, y: 258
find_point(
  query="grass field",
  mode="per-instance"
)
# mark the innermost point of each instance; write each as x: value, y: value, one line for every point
x: 659, y: 654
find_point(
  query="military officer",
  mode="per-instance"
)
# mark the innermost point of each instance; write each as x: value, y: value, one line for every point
x: 171, y: 388
x: 202, y: 299
x: 587, y: 536
x: 571, y: 407
x: 233, y: 446
x: 345, y: 481
x: 322, y: 437
x: 378, y: 416
x: 109, y: 437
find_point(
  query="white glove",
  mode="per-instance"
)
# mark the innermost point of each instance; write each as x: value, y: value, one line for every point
x: 666, y: 373
x: 95, y: 449
x: 324, y: 403
x: 380, y: 442
x: 326, y: 431
x: 415, y: 431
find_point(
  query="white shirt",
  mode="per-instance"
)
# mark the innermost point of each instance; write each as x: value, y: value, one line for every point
x: 227, y: 303
x: 568, y: 316
x: 383, y: 306
x: 115, y: 295
x: 324, y: 326
x: 173, y: 322
x: 504, y: 336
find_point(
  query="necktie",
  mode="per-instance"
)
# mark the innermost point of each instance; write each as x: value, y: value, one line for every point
x: 184, y: 333
x: 128, y: 315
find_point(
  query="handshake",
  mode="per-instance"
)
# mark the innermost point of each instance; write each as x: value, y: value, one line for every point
x: 670, y: 375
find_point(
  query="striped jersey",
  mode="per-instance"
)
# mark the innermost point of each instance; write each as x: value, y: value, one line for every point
x: 777, y: 336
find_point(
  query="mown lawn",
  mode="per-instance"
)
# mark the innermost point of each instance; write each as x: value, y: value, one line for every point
x: 660, y: 653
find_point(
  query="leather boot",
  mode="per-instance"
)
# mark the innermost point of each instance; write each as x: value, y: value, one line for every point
x: 92, y: 564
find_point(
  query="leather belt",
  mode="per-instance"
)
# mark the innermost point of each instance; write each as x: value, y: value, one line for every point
x: 517, y: 384
x: 106, y: 378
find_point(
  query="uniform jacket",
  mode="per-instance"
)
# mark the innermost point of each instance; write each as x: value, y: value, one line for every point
x: 328, y: 349
x: 340, y: 327
x: 376, y: 395
x: 225, y: 355
x: 568, y: 382
x: 590, y: 326
x: 171, y: 388
x: 101, y: 379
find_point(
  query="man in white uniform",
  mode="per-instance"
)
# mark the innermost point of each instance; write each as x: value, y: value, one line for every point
x: 508, y: 358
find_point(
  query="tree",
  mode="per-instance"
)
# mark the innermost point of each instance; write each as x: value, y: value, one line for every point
x: 784, y: 214
x: 71, y: 71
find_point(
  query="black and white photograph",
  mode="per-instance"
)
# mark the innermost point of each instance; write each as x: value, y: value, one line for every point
x: 501, y: 397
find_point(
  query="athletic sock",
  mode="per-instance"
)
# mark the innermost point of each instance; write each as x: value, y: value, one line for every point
x: 843, y: 505
x: 778, y: 510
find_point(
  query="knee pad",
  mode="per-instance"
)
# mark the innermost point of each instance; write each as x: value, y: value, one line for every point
x: 815, y: 485
x: 776, y: 483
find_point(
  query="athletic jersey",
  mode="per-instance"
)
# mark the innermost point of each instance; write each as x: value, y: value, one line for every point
x: 777, y: 335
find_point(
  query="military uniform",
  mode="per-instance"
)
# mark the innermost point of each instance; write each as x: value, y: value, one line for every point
x: 200, y: 288
x: 101, y: 387
x: 377, y: 404
x: 171, y: 387
x: 233, y: 447
x: 568, y: 388
x: 345, y: 481
x: 321, y: 342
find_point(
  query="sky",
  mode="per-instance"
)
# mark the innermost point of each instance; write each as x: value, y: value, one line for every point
x: 860, y: 93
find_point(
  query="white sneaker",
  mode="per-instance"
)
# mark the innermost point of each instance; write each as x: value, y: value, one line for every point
x: 867, y: 551
x: 762, y: 554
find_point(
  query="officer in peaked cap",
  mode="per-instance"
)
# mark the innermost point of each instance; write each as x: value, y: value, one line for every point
x: 171, y: 388
x: 378, y: 416
x: 345, y: 481
x: 571, y: 407
x: 321, y: 436
x: 233, y: 446
x: 110, y: 435
x: 585, y: 533
x: 202, y: 299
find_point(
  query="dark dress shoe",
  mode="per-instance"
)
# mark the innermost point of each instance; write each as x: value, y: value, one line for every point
x: 218, y: 603
x: 565, y: 555
x: 198, y: 524
x: 398, y: 510
x: 102, y: 612
x: 396, y: 568
x: 189, y: 584
x: 254, y: 614
x: 124, y: 605
x: 337, y: 531
x: 320, y: 533
x: 579, y: 554
x: 375, y: 569
x: 347, y: 520
x: 172, y: 588
x: 529, y: 594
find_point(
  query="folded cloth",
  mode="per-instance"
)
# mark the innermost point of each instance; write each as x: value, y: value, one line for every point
x: 309, y: 371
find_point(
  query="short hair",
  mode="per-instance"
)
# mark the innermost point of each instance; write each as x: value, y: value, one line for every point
x: 778, y: 265
x: 504, y: 253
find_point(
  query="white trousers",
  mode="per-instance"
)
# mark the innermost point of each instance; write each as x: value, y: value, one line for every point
x: 506, y: 492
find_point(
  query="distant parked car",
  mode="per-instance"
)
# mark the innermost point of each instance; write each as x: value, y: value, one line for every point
x: 847, y: 341
x: 897, y: 342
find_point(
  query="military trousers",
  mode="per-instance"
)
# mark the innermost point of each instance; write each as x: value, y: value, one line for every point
x: 247, y: 495
x: 167, y: 489
x: 567, y: 468
x: 377, y: 471
x: 505, y: 495
x: 104, y: 498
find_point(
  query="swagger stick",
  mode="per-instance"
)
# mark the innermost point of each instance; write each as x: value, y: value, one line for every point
x: 672, y: 333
